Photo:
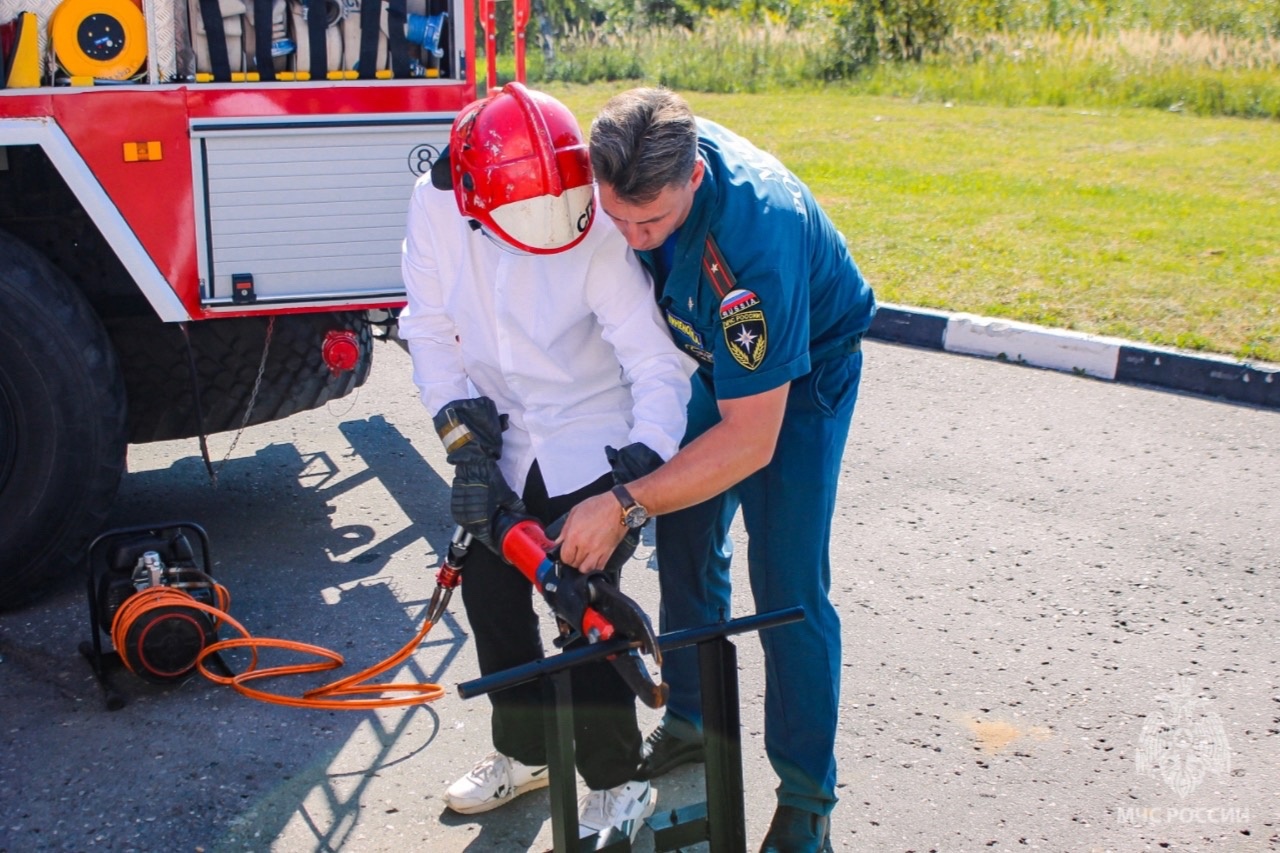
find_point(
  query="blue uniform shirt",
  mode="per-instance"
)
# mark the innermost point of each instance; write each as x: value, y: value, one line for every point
x: 798, y: 296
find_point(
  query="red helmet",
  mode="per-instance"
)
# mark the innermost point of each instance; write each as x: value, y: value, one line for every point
x: 521, y: 169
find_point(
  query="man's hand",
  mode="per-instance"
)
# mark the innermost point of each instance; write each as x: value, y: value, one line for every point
x: 591, y: 533
x: 742, y: 443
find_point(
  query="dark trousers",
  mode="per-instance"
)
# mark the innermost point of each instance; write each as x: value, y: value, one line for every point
x: 787, y: 508
x: 505, y: 614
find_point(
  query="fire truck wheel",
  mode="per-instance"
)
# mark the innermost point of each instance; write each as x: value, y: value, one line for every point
x: 228, y: 355
x: 62, y: 424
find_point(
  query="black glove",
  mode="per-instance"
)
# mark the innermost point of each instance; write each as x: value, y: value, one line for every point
x: 479, y: 494
x: 632, y: 462
x: 471, y: 430
x: 472, y: 434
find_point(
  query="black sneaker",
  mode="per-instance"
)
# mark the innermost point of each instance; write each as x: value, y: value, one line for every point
x: 664, y: 751
x: 797, y: 831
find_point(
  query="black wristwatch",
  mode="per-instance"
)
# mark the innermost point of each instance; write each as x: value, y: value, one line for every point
x: 634, y: 515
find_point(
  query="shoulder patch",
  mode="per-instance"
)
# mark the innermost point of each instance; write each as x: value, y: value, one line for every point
x: 737, y: 300
x: 688, y: 338
x: 746, y: 334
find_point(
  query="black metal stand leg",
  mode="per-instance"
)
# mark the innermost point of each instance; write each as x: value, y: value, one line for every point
x: 560, y: 764
x: 721, y: 820
x: 722, y: 733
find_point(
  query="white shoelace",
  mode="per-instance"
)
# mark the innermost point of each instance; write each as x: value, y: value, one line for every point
x: 600, y: 809
x: 491, y: 766
x: 594, y: 813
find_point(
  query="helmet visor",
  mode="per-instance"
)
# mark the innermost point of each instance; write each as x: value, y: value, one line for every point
x: 546, y: 224
x: 498, y: 241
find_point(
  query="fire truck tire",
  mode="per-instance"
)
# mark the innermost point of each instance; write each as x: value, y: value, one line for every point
x: 228, y: 354
x: 62, y: 424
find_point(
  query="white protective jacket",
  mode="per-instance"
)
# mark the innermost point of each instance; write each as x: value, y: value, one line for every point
x: 570, y: 346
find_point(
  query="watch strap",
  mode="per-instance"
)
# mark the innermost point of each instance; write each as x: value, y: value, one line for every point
x: 630, y: 507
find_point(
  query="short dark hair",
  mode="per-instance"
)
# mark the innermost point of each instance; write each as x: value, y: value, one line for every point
x: 643, y: 141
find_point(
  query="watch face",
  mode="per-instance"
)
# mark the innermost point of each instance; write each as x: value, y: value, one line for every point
x: 636, y: 516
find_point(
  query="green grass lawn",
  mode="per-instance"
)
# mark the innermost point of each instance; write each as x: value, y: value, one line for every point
x: 1142, y: 224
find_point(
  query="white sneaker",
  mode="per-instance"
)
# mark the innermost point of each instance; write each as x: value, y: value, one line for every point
x: 495, y: 781
x: 623, y: 808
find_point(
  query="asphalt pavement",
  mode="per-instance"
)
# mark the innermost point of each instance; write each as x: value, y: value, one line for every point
x: 1059, y: 604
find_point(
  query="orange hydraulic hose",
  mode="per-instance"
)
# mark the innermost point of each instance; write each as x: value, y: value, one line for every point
x: 321, y: 697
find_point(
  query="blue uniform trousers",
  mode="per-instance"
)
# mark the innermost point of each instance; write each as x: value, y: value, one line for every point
x: 787, y: 509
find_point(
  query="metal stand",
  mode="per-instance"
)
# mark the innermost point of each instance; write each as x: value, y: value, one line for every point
x: 721, y: 820
x: 563, y: 789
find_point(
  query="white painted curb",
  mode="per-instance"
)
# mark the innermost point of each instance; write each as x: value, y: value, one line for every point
x: 1055, y: 349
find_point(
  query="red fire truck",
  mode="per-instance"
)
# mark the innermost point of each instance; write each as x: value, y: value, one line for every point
x: 201, y: 211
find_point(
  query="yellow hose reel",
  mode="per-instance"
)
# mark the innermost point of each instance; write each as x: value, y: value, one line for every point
x: 104, y: 39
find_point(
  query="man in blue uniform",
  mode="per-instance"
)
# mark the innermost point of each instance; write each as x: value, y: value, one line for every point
x: 757, y: 285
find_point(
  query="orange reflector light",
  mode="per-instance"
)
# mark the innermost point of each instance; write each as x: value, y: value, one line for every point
x: 138, y: 152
